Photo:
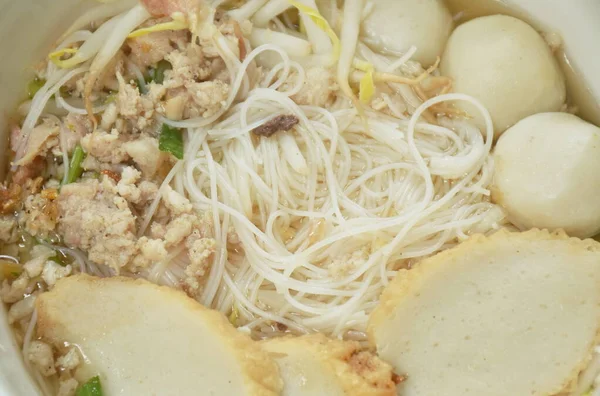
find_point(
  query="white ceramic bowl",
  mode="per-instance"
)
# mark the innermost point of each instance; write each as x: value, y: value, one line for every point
x: 28, y: 28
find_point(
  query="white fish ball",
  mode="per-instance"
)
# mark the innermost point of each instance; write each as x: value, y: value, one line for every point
x: 396, y: 25
x: 547, y: 174
x: 507, y: 65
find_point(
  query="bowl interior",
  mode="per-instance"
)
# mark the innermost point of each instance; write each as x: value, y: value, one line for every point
x: 28, y: 28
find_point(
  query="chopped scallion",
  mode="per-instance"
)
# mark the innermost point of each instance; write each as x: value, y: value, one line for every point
x: 34, y: 86
x: 59, y: 258
x: 171, y: 141
x: 234, y: 316
x: 112, y: 97
x: 91, y: 388
x: 75, y: 169
x: 141, y: 85
x: 158, y: 73
x: 9, y: 270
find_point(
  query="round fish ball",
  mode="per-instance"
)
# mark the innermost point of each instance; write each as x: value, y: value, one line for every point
x: 547, y: 174
x: 507, y: 65
x: 396, y: 25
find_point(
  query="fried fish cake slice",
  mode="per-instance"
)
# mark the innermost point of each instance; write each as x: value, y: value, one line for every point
x: 144, y: 339
x: 512, y: 314
x: 316, y: 365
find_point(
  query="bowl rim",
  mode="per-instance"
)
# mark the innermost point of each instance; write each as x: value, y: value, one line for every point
x: 576, y: 21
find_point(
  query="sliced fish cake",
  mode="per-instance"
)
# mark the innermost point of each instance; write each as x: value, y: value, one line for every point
x: 314, y: 365
x: 143, y: 339
x: 512, y: 314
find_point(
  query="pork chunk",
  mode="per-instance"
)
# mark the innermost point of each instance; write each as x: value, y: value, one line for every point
x: 200, y: 253
x: 39, y: 216
x: 146, y: 155
x: 187, y: 66
x: 41, y: 139
x: 209, y: 97
x: 136, y: 108
x: 99, y: 221
x: 106, y: 147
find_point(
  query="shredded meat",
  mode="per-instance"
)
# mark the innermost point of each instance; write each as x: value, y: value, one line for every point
x: 106, y: 147
x: 109, y: 117
x: 175, y: 202
x: 190, y: 91
x: 128, y: 188
x: 151, y: 251
x: 146, y: 155
x: 94, y: 218
x: 78, y: 126
x: 40, y: 214
x: 138, y: 109
x: 179, y: 229
x: 208, y: 97
x: 188, y: 65
x: 41, y: 139
x: 283, y: 122
x: 200, y: 253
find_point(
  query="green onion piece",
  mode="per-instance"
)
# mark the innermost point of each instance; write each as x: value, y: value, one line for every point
x: 35, y: 85
x: 9, y: 269
x: 158, y: 73
x: 59, y: 258
x: 141, y: 85
x: 234, y: 316
x: 91, y: 388
x: 112, y: 97
x: 171, y: 141
x: 75, y: 169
